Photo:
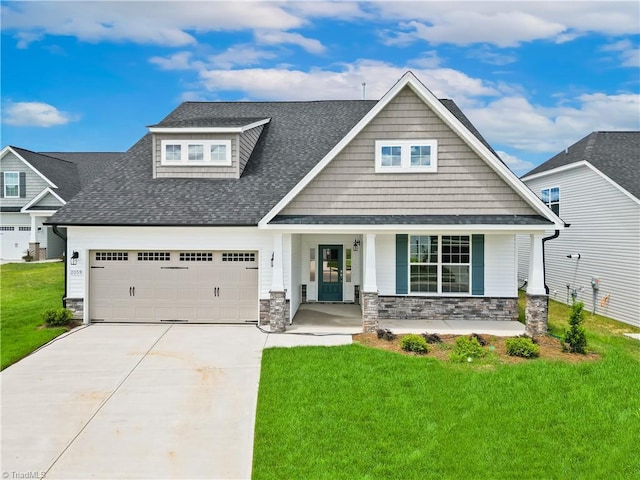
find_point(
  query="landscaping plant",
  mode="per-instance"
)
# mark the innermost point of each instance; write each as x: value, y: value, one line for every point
x: 466, y: 348
x: 57, y: 317
x: 522, y: 347
x: 414, y: 343
x: 575, y: 338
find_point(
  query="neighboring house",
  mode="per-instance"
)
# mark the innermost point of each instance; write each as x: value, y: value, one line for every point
x: 239, y: 212
x: 594, y: 185
x: 32, y: 187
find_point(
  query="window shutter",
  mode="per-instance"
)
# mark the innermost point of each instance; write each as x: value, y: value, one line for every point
x: 23, y: 185
x: 402, y: 264
x: 1, y: 184
x: 477, y: 264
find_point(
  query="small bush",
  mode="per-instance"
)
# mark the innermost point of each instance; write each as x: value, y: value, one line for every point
x: 466, y: 347
x: 414, y: 343
x: 60, y: 317
x: 575, y: 338
x: 480, y: 338
x: 387, y: 334
x: 522, y: 347
x: 432, y: 338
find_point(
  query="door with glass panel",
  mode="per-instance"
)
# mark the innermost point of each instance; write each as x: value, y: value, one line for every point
x: 330, y: 278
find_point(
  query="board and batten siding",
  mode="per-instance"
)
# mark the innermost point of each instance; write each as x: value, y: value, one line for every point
x: 248, y: 141
x: 34, y: 184
x: 499, y: 264
x: 195, y: 171
x: 463, y: 183
x: 605, y: 231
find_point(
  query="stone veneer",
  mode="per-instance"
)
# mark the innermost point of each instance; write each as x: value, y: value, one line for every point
x: 76, y: 305
x: 265, y: 309
x: 447, y: 308
x: 278, y: 311
x: 370, y: 311
x: 536, y: 314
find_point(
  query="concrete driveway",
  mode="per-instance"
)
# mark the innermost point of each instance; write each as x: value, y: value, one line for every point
x: 136, y: 401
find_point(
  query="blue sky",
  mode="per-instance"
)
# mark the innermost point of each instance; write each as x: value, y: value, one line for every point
x: 534, y: 77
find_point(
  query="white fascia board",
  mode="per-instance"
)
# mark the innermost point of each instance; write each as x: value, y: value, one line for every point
x: 582, y: 163
x: 242, y: 129
x: 445, y: 115
x: 8, y: 148
x: 39, y: 197
x: 408, y: 228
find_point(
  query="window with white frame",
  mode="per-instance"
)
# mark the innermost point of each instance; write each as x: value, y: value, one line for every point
x: 551, y: 196
x: 196, y: 152
x: 439, y: 264
x: 11, y: 184
x: 406, y: 156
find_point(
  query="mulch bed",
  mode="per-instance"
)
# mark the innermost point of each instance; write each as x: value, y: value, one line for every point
x: 550, y: 348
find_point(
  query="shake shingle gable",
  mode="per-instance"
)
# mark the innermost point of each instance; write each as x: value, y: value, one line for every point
x: 297, y: 137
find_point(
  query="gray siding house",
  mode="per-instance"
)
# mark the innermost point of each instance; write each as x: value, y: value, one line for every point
x: 594, y: 185
x: 32, y: 187
x: 234, y: 212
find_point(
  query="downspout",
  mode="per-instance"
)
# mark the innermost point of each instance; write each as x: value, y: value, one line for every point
x: 544, y: 262
x: 55, y: 230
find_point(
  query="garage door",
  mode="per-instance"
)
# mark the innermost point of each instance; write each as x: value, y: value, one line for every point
x: 15, y: 241
x: 174, y: 286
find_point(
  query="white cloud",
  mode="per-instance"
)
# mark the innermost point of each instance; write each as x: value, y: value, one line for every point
x: 517, y: 165
x: 277, y: 38
x: 629, y: 54
x: 176, y: 61
x: 33, y: 114
x: 240, y: 55
x: 486, y: 55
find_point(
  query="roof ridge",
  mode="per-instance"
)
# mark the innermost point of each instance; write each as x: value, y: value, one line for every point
x: 42, y: 154
x: 591, y: 143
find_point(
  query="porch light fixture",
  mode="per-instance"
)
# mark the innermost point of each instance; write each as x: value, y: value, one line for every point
x: 74, y: 257
x: 272, y: 255
x: 356, y: 244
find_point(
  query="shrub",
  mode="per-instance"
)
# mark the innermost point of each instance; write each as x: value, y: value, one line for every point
x: 466, y: 347
x: 60, y: 317
x: 575, y: 337
x: 481, y: 340
x: 387, y: 334
x: 522, y: 347
x: 414, y: 343
x: 432, y: 338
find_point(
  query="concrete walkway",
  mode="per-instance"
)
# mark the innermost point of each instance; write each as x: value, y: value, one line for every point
x: 138, y: 401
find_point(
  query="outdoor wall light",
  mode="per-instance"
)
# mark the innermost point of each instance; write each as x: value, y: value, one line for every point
x: 356, y: 244
x: 574, y: 255
x: 74, y: 257
x: 272, y: 255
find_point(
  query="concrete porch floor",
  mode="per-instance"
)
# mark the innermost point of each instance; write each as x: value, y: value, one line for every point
x: 346, y: 319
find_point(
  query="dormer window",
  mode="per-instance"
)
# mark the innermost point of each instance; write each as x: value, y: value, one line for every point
x: 196, y: 152
x: 406, y: 156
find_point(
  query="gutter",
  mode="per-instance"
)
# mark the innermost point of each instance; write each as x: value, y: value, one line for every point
x: 55, y: 230
x: 544, y: 262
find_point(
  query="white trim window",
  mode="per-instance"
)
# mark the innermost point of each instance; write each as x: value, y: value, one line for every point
x: 11, y: 184
x: 196, y: 152
x: 440, y: 264
x: 551, y: 197
x: 406, y: 156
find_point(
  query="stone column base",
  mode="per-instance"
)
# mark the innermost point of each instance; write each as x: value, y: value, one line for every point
x: 277, y: 311
x: 76, y: 305
x: 34, y: 250
x: 369, y: 311
x: 536, y: 314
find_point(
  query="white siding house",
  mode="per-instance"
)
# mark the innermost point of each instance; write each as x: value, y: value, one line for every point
x: 598, y: 181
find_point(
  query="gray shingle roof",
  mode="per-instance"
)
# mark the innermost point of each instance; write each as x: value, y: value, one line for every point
x: 410, y: 220
x: 616, y: 154
x: 209, y: 122
x: 91, y: 165
x: 298, y: 136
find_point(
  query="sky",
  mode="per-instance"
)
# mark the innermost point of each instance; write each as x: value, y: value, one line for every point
x: 533, y: 77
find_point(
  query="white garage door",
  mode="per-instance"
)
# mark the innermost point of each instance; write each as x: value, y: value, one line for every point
x: 174, y: 286
x: 15, y: 241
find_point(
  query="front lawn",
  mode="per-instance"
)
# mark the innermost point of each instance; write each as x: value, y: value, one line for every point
x: 358, y: 412
x: 27, y: 290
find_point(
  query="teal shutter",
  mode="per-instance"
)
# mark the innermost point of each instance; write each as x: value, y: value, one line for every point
x: 477, y: 264
x: 402, y: 263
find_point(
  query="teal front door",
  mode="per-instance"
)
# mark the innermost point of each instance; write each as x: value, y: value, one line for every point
x: 330, y: 284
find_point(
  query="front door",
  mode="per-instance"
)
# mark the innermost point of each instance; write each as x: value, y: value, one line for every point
x: 330, y: 284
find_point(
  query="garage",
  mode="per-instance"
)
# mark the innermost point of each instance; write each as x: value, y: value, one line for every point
x: 173, y: 286
x: 14, y: 241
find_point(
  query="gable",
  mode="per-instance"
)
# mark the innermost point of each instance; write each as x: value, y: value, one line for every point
x: 33, y: 183
x: 464, y: 184
x: 47, y: 202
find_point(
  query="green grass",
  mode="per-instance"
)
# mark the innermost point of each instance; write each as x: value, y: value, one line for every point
x: 26, y: 291
x: 360, y: 413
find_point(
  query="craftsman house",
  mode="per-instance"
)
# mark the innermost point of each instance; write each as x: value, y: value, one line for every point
x: 241, y: 211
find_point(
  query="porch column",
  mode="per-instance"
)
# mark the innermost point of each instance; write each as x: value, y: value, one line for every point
x: 369, y: 285
x: 537, y: 299
x: 34, y: 245
x: 277, y: 301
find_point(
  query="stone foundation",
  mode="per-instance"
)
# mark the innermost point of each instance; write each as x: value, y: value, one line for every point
x: 35, y: 250
x: 278, y: 311
x: 536, y: 314
x: 265, y: 312
x: 76, y: 305
x: 447, y: 308
x: 370, y: 311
